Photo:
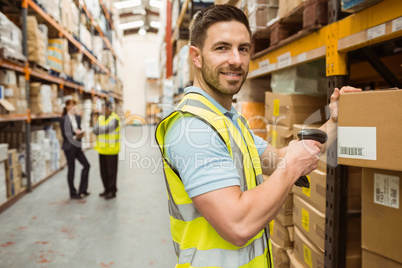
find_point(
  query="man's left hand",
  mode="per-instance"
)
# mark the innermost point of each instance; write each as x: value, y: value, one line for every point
x: 333, y: 106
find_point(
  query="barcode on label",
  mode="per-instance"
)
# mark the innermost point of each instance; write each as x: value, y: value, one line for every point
x: 351, y: 150
x: 379, y: 196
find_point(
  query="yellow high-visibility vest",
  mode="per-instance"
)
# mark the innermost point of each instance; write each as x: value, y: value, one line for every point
x: 196, y: 242
x: 108, y: 143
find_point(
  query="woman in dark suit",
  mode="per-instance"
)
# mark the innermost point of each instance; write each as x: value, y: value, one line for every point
x: 70, y: 124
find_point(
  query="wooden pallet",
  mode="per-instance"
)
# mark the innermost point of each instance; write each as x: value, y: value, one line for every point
x: 304, y: 19
x: 7, y: 55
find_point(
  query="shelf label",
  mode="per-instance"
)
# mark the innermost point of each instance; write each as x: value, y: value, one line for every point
x: 306, y: 190
x: 284, y: 60
x: 302, y: 57
x: 397, y: 24
x: 271, y: 227
x: 386, y: 190
x: 357, y: 142
x: 308, y: 259
x: 305, y: 220
x: 274, y: 137
x: 376, y: 31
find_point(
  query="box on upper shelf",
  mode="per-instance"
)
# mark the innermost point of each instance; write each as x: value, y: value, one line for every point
x: 369, y: 129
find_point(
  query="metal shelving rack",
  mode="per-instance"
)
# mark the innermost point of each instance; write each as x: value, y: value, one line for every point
x: 27, y: 5
x: 373, y: 25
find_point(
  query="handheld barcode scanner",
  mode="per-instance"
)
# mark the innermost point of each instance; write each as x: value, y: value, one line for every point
x: 310, y: 134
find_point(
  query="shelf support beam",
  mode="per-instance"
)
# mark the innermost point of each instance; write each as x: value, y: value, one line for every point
x: 380, y: 67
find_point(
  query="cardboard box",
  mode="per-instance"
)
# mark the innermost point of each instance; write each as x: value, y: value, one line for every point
x: 306, y: 252
x: 254, y: 113
x: 280, y: 234
x: 14, y: 173
x: 13, y: 187
x: 285, y: 214
x: 279, y: 136
x: 369, y: 129
x: 372, y: 260
x: 280, y: 257
x: 316, y: 194
x: 12, y: 156
x: 382, y: 213
x: 310, y: 221
x: 288, y: 109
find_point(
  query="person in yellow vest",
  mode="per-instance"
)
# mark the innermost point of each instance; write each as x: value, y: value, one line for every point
x: 219, y: 205
x: 107, y: 131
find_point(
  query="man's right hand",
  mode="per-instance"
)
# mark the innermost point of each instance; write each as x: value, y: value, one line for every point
x: 302, y: 157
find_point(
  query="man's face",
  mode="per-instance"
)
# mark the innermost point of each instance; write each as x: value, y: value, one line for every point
x: 226, y: 57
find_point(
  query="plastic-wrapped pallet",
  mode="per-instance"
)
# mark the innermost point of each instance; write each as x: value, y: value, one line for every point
x: 260, y: 12
x: 55, y: 54
x: 10, y: 39
x: 52, y: 8
x: 307, y: 79
x: 70, y: 16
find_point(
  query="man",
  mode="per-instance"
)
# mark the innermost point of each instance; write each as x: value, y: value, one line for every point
x: 218, y: 203
x: 107, y: 131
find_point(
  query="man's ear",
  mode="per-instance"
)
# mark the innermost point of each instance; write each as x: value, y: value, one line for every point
x: 195, y: 54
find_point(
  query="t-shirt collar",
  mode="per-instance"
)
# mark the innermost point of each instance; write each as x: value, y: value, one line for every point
x: 222, y: 109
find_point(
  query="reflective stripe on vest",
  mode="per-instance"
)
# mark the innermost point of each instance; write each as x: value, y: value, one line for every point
x: 196, y: 243
x: 108, y: 143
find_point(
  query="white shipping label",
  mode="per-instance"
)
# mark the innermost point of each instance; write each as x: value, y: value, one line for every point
x: 397, y: 24
x: 376, y: 31
x: 357, y: 142
x: 284, y: 60
x: 386, y: 190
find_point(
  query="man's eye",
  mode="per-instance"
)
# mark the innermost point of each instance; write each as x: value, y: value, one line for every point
x: 221, y: 48
x: 244, y: 49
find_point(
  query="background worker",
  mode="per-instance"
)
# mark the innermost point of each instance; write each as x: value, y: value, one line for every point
x: 107, y: 131
x: 218, y: 203
x: 70, y: 125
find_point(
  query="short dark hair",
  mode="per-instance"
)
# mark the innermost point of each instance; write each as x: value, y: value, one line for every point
x: 205, y: 18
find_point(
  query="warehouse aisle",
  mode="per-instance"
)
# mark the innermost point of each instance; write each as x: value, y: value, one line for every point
x: 47, y: 229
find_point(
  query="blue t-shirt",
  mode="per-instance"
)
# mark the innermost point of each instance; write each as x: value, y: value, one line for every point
x: 199, y: 155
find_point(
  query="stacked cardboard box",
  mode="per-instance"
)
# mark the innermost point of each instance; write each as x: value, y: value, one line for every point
x: 13, y: 173
x: 378, y: 119
x: 309, y: 214
x: 70, y: 16
x: 3, y: 184
x: 37, y: 41
x: 284, y: 110
x: 13, y: 89
x: 260, y: 12
x: 40, y: 98
x: 286, y: 6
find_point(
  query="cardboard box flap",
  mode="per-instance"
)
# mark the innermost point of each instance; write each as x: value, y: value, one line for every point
x: 7, y: 105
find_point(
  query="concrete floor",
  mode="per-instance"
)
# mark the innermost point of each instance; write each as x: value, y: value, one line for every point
x: 47, y: 229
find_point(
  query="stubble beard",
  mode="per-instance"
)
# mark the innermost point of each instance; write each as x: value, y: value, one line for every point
x: 212, y: 80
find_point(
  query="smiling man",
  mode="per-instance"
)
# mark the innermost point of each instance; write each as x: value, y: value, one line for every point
x: 218, y: 203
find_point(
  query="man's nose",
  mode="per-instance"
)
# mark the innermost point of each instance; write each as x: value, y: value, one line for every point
x: 235, y: 58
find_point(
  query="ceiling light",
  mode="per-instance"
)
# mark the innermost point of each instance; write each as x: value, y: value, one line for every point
x: 129, y: 25
x: 127, y: 4
x: 155, y: 3
x: 142, y: 31
x: 155, y: 24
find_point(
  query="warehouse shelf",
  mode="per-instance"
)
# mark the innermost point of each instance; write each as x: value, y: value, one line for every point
x: 12, y: 66
x: 179, y: 21
x: 44, y: 116
x: 373, y: 25
x: 99, y: 30
x: 13, y: 117
x: 70, y: 37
